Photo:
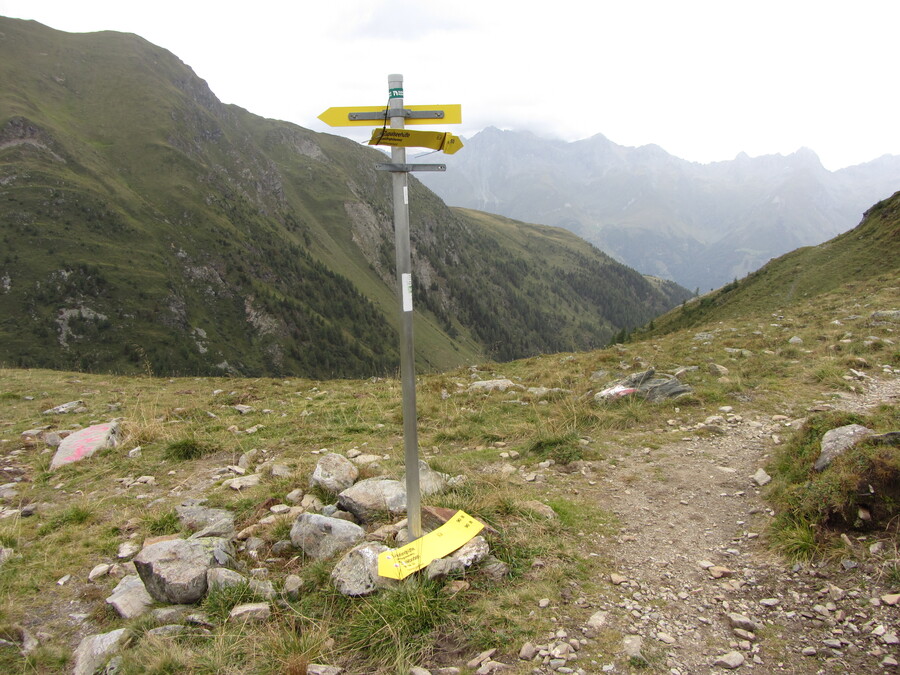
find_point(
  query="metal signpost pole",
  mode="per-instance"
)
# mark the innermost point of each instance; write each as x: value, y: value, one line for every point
x: 404, y: 279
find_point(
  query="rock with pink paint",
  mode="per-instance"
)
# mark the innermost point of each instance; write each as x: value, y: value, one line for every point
x: 82, y: 444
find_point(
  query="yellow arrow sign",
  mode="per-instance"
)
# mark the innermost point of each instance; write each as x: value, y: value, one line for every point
x: 401, y: 562
x: 370, y: 116
x: 409, y: 138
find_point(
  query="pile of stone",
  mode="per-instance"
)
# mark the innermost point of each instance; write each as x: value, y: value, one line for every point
x: 178, y: 572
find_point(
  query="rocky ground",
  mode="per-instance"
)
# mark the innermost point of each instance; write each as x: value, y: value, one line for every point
x: 696, y: 589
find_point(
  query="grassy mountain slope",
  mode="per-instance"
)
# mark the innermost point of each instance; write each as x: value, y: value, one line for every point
x: 147, y: 226
x: 867, y: 252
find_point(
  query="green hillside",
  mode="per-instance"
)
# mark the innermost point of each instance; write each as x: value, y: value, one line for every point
x: 146, y: 226
x: 867, y: 252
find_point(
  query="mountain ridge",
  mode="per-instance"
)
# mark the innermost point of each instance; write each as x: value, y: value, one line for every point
x: 149, y: 226
x: 699, y: 224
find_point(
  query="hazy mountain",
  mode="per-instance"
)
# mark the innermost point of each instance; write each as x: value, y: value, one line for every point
x: 699, y: 224
x: 146, y: 226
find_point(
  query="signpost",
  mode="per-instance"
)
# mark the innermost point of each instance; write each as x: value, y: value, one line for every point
x: 396, y: 114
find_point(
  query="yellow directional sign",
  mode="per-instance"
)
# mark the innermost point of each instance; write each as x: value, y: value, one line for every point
x: 408, y: 138
x: 401, y: 562
x: 370, y: 116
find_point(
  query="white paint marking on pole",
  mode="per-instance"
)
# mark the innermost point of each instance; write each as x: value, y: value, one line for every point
x: 406, y: 195
x: 407, y: 293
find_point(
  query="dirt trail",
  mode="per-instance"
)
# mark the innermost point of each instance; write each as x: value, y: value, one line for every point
x: 694, y: 501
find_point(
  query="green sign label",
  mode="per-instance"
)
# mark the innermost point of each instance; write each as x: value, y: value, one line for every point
x: 395, y: 93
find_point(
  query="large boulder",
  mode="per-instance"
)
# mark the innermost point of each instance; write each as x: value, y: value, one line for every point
x: 356, y: 573
x: 836, y: 441
x: 367, y: 498
x: 174, y: 571
x: 82, y: 444
x: 334, y: 473
x: 321, y: 536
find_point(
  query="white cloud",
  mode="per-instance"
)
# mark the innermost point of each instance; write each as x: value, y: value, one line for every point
x: 705, y: 79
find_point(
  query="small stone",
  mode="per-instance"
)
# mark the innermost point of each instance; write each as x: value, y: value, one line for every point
x: 544, y: 603
x: 730, y: 661
x: 717, y: 572
x: 665, y: 637
x: 617, y: 579
x: 761, y: 478
x: 809, y: 651
x: 891, y: 598
x: 251, y: 611
x: 98, y: 571
x: 528, y: 652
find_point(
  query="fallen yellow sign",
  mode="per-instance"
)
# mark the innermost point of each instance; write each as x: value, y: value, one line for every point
x: 401, y: 562
x: 409, y: 138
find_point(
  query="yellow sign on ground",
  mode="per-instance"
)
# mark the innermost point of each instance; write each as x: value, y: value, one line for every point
x: 401, y: 562
x: 344, y: 116
x: 409, y: 138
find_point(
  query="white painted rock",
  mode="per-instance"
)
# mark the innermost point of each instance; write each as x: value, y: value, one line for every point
x: 82, y: 444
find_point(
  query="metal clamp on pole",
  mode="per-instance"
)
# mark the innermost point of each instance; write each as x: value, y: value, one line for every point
x: 410, y: 167
x: 394, y: 112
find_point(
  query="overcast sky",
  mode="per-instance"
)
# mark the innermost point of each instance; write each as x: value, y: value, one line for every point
x: 703, y: 79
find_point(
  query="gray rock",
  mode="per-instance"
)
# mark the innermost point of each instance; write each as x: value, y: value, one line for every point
x: 171, y: 614
x: 541, y: 509
x: 730, y: 661
x: 716, y: 369
x: 892, y: 315
x: 356, y: 574
x: 251, y: 611
x: 65, y: 408
x: 836, y: 441
x: 494, y: 385
x: 368, y: 498
x: 472, y: 552
x: 443, y: 567
x: 130, y: 598
x: 174, y: 571
x: 633, y: 645
x: 740, y: 621
x: 595, y: 623
x: 796, y: 340
x: 292, y: 586
x: 94, y: 651
x: 321, y: 537
x: 195, y: 517
x: 222, y: 577
x: 761, y: 478
x: 430, y: 481
x: 319, y: 669
x: 83, y: 444
x: 243, y: 482
x: 334, y: 473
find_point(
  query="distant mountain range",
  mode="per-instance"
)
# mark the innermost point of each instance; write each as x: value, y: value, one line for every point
x: 701, y: 225
x: 147, y: 227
